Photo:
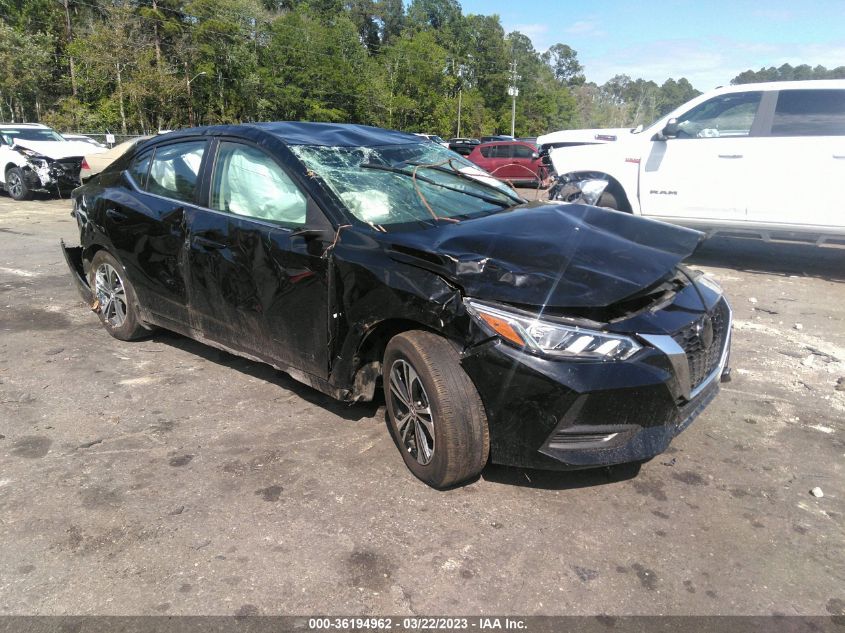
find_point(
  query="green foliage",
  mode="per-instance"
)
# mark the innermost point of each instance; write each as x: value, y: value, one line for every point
x: 142, y: 65
x: 788, y: 73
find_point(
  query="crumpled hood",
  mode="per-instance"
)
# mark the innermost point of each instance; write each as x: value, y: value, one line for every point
x: 544, y: 254
x: 59, y: 149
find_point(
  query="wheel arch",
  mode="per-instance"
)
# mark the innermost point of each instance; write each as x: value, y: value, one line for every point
x: 10, y: 165
x: 614, y: 186
x: 365, y: 371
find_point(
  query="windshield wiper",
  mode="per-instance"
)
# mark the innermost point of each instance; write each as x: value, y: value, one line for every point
x: 465, y: 176
x: 397, y: 170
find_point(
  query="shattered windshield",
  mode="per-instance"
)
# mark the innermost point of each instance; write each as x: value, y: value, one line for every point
x: 392, y: 186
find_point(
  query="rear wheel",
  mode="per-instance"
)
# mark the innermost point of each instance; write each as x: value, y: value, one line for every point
x: 434, y: 411
x: 117, y: 305
x: 16, y: 184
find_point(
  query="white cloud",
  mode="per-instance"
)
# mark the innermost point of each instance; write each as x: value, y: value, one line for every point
x: 539, y: 34
x: 586, y: 28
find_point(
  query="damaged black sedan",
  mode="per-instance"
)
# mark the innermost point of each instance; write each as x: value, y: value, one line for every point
x: 541, y: 334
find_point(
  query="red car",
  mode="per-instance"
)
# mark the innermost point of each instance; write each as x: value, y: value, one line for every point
x: 516, y: 161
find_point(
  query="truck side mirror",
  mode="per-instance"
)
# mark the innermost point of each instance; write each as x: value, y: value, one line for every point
x: 671, y: 130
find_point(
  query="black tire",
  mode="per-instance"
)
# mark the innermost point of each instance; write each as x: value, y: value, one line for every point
x: 109, y: 298
x: 608, y: 201
x: 461, y: 440
x: 16, y: 184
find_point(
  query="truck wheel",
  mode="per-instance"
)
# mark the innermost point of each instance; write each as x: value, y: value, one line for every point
x: 16, y: 184
x: 117, y: 305
x: 434, y: 411
x: 608, y: 201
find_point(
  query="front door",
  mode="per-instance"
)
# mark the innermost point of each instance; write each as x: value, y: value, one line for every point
x: 702, y: 173
x: 254, y: 285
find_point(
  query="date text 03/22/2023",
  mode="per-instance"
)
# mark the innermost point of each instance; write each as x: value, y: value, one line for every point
x: 417, y: 624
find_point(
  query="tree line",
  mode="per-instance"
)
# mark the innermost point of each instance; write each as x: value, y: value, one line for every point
x: 135, y: 66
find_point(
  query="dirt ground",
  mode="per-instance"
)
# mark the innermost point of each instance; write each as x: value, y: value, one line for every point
x: 165, y: 477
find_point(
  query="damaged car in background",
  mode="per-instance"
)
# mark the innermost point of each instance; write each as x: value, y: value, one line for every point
x: 535, y: 334
x: 34, y: 157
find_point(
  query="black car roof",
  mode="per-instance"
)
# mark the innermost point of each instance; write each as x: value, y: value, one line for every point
x: 303, y: 133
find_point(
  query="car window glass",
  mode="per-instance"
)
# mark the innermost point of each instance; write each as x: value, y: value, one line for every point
x: 485, y: 151
x: 725, y: 115
x: 810, y: 113
x: 522, y: 151
x: 248, y: 182
x: 504, y: 151
x: 139, y: 168
x: 175, y: 170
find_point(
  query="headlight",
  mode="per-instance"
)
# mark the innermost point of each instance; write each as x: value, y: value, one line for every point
x: 551, y: 338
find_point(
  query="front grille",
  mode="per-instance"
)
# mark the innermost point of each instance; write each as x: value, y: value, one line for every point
x: 702, y: 358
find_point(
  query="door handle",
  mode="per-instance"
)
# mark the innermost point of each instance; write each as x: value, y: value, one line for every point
x: 730, y: 155
x: 839, y: 156
x: 207, y: 243
x: 114, y: 214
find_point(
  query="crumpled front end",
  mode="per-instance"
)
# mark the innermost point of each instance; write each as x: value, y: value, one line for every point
x: 45, y: 173
x: 569, y: 412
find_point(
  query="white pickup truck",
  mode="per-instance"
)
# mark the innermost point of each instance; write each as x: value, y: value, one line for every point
x: 755, y: 160
x: 34, y: 157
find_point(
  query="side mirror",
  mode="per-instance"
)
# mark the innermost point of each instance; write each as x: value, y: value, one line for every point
x: 671, y: 130
x: 535, y: 155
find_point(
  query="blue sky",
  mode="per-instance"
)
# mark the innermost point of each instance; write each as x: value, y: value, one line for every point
x: 707, y: 41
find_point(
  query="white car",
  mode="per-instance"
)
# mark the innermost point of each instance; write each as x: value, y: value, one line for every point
x: 34, y: 157
x: 84, y: 139
x: 433, y: 138
x: 759, y: 160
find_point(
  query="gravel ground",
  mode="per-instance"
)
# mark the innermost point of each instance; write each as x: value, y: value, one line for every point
x: 165, y: 477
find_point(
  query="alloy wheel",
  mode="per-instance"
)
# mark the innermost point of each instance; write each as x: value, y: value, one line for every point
x: 412, y: 412
x: 108, y: 286
x: 14, y: 184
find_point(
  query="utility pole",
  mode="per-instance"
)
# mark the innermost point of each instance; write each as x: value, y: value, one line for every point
x: 513, y: 91
x: 460, y: 95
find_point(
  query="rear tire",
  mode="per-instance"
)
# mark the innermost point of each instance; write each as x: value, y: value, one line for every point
x: 608, y: 201
x: 117, y: 304
x: 16, y: 185
x: 445, y: 410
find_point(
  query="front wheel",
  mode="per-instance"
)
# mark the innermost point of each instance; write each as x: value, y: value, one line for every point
x: 608, y: 201
x: 117, y: 305
x: 434, y: 411
x: 16, y: 184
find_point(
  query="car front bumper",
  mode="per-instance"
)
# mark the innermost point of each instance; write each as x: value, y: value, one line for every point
x: 568, y: 415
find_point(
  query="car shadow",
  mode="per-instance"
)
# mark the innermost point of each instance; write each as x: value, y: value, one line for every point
x: 559, y: 480
x: 757, y: 256
x: 352, y: 412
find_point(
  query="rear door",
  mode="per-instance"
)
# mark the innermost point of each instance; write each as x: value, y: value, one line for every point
x: 501, y: 159
x: 802, y: 165
x: 524, y: 157
x: 145, y: 221
x: 704, y: 173
x: 254, y: 284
